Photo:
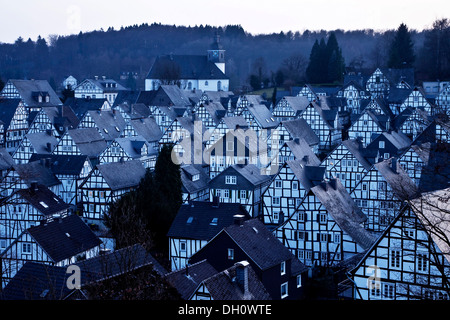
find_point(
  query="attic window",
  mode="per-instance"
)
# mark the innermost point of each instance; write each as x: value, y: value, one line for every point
x: 117, y: 129
x: 189, y: 220
x: 42, y: 203
x: 67, y: 235
x: 214, y: 221
x: 104, y: 129
x: 195, y: 177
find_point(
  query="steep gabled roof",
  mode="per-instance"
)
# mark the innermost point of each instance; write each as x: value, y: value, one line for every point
x: 29, y: 89
x: 341, y: 207
x: 7, y: 109
x: 261, y: 246
x: 202, y: 220
x: 43, y: 199
x: 186, y: 66
x: 61, y: 164
x: 64, y: 238
x: 122, y: 175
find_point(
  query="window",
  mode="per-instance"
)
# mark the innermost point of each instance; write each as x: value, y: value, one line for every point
x: 243, y: 194
x: 26, y: 248
x: 323, y: 237
x: 195, y: 177
x: 183, y: 246
x: 395, y: 258
x: 388, y: 290
x: 276, y: 200
x: 422, y: 262
x: 283, y: 267
x: 230, y: 179
x: 226, y: 193
x: 294, y: 185
x: 278, y: 184
x: 284, y: 290
x: 206, y: 83
x: 299, y: 281
x: 322, y: 218
x: 381, y: 144
x: 230, y: 254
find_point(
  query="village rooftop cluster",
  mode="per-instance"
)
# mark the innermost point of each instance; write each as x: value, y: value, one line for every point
x: 356, y: 181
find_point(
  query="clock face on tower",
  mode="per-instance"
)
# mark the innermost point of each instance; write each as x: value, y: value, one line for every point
x: 215, y: 54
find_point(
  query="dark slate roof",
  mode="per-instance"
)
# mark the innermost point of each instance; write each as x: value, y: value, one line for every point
x: 341, y: 207
x: 37, y: 281
x: 396, y: 75
x: 64, y: 238
x: 398, y: 95
x: 356, y: 148
x: 122, y: 175
x: 309, y: 176
x: 187, y: 280
x: 41, y: 141
x: 263, y: 115
x: 250, y: 172
x: 398, y: 179
x: 297, y: 103
x: 28, y: 89
x: 189, y: 67
x: 6, y: 160
x: 202, y: 220
x: 147, y: 128
x: 224, y: 286
x: 109, y: 123
x: 62, y: 115
x: 43, y: 199
x: 146, y: 97
x: 299, y: 128
x: 36, y: 172
x: 88, y: 140
x: 187, y: 172
x: 302, y: 151
x: 261, y: 246
x: 126, y: 97
x: 435, y: 175
x: 118, y: 262
x: 235, y: 122
x: 7, y: 109
x: 61, y: 164
x: 81, y: 105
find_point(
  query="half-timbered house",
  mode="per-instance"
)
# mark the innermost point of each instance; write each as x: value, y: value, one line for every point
x: 15, y: 121
x: 98, y: 88
x: 325, y: 124
x: 196, y: 223
x: 80, y: 106
x: 70, y: 170
x: 367, y: 126
x: 327, y: 227
x: 210, y: 113
x: 238, y: 282
x: 56, y: 119
x: 109, y: 123
x: 410, y: 259
x: 34, y: 94
x: 34, y: 143
x: 82, y: 141
x: 381, y: 192
x: 354, y: 94
x: 105, y: 184
x: 131, y: 148
x: 290, y: 108
x: 60, y: 242
x: 298, y: 148
x: 26, y: 208
x: 240, y: 183
x: 281, y: 273
x: 226, y: 124
x: 22, y: 176
x: 194, y: 183
x: 416, y: 99
x: 281, y: 198
x: 347, y: 163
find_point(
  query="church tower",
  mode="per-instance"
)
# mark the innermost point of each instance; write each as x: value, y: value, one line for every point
x: 216, y: 54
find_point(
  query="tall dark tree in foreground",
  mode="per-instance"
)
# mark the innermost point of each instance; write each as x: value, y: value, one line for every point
x: 336, y: 65
x: 401, y: 53
x: 167, y: 194
x: 144, y: 215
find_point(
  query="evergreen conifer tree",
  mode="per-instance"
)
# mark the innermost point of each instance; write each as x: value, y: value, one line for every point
x: 401, y: 53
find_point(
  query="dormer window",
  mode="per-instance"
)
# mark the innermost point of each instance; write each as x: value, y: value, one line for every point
x: 195, y: 177
x: 47, y: 98
x: 39, y: 98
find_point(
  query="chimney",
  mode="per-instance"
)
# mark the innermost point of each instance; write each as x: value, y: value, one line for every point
x: 49, y: 147
x: 215, y: 203
x: 238, y: 219
x: 394, y: 165
x: 242, y: 278
x: 297, y: 140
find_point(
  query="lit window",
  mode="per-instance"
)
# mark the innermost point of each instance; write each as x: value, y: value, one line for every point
x: 284, y: 290
x: 283, y: 267
x: 230, y: 254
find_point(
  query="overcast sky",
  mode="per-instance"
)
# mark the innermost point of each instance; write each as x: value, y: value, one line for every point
x: 28, y: 19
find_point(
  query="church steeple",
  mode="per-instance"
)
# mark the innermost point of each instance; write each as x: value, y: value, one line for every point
x: 216, y: 53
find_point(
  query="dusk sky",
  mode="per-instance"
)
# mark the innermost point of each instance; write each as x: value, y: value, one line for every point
x: 29, y: 19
